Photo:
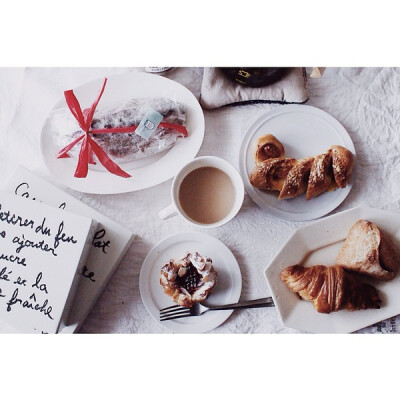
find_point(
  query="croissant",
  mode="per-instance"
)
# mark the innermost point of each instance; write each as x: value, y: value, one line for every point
x: 330, y: 288
x: 368, y: 251
x: 292, y: 178
x: 267, y: 146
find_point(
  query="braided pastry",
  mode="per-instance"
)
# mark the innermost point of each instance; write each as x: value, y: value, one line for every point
x: 271, y: 174
x: 330, y: 288
x: 267, y: 146
x: 291, y: 177
x: 321, y: 175
x: 296, y: 180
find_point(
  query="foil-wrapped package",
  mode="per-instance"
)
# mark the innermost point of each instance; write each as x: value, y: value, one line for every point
x: 123, y: 147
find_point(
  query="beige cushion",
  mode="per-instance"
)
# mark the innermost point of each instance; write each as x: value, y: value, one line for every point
x: 218, y: 91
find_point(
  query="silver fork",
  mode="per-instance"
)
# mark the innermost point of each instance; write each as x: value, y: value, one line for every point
x: 175, y: 312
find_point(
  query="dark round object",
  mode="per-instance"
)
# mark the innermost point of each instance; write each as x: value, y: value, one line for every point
x: 254, y: 77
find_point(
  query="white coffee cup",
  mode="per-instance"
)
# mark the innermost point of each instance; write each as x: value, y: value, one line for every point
x: 200, y: 162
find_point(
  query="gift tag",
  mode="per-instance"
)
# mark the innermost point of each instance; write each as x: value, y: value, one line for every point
x: 149, y: 124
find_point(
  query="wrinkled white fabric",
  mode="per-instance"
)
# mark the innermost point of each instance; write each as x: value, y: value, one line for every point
x: 365, y: 100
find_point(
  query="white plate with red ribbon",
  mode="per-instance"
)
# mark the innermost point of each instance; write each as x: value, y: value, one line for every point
x: 144, y: 173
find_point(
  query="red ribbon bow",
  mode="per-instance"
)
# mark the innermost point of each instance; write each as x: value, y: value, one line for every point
x: 89, y: 146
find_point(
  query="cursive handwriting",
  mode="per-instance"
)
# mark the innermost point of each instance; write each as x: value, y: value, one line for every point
x: 62, y: 237
x: 30, y: 304
x: 102, y: 244
x: 4, y: 274
x: 88, y: 274
x: 43, y: 229
x: 13, y: 259
x: 42, y: 287
x: 23, y: 194
x: 19, y: 190
x: 20, y: 281
x: 22, y: 243
x: 13, y: 219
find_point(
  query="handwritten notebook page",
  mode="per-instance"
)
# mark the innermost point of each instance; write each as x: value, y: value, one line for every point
x: 109, y: 245
x: 41, y: 251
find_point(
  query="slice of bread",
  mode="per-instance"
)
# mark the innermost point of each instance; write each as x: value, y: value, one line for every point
x: 368, y: 251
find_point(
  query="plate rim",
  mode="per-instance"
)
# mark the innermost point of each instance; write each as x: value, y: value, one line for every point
x: 243, y: 161
x: 75, y: 184
x: 236, y: 290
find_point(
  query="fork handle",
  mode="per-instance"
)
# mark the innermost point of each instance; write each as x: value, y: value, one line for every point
x: 264, y: 302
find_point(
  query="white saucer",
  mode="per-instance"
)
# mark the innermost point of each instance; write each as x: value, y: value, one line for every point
x: 147, y: 172
x: 303, y: 131
x: 227, y: 290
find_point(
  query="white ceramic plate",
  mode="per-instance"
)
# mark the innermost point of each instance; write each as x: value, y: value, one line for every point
x: 303, y: 131
x: 227, y: 290
x: 319, y: 243
x: 147, y: 172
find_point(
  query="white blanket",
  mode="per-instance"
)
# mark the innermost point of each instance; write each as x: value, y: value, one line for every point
x: 364, y: 100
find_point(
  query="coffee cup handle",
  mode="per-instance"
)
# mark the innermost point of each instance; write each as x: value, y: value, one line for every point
x: 168, y: 212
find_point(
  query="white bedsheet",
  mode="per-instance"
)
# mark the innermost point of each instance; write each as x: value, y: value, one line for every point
x: 365, y: 100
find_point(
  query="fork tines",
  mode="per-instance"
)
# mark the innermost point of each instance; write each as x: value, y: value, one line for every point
x: 174, y: 312
x: 170, y: 308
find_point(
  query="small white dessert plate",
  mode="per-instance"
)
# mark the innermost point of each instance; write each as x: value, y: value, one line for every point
x: 226, y: 291
x: 303, y: 131
x: 147, y: 172
x: 319, y: 243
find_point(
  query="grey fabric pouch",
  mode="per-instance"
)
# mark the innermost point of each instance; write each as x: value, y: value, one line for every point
x: 218, y: 91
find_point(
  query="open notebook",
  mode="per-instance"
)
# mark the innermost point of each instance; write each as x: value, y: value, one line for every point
x: 42, y: 250
x: 108, y: 246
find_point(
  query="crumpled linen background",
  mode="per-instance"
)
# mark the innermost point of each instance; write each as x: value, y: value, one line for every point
x: 365, y: 100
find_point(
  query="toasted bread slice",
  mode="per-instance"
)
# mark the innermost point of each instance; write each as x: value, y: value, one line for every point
x: 342, y: 163
x: 368, y: 251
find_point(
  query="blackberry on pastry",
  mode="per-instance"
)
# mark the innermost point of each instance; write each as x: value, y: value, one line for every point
x: 189, y: 279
